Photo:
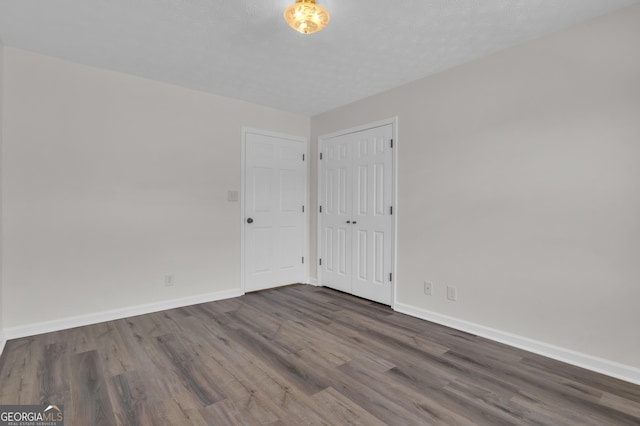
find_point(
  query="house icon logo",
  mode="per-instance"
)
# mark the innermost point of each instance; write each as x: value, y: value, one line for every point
x: 53, y: 415
x: 53, y: 407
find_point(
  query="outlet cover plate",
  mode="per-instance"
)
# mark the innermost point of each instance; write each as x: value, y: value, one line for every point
x: 428, y: 288
x: 452, y: 293
x: 169, y: 280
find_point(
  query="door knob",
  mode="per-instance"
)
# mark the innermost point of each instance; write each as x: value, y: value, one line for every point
x: 354, y: 222
x: 249, y: 220
x: 348, y: 221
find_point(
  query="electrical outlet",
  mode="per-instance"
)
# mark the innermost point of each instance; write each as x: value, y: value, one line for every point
x: 169, y: 280
x: 452, y: 293
x: 427, y: 288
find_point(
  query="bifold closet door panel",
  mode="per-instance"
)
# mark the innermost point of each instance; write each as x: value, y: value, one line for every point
x: 356, y: 194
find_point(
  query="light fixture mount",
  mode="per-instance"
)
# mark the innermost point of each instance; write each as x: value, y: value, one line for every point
x: 306, y: 16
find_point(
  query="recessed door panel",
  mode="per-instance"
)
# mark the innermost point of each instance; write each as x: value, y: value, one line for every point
x: 289, y: 254
x: 364, y: 148
x: 378, y: 257
x: 262, y: 238
x: 262, y: 183
x: 378, y: 189
x: 343, y: 193
x: 329, y: 189
x: 330, y: 258
x: 362, y: 196
x: 361, y: 255
x: 289, y: 191
x: 343, y: 251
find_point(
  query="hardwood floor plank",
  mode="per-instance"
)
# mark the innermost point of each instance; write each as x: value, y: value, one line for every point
x: 172, y: 412
x: 52, y: 374
x: 296, y: 406
x: 89, y: 391
x: 301, y: 355
x: 561, y: 415
x: 251, y: 402
x: 345, y: 411
x: 549, y: 388
x: 495, y: 408
x: 128, y: 395
x: 288, y: 365
x: 190, y: 370
x: 77, y: 340
x: 227, y: 413
x: 21, y: 371
x: 379, y: 328
x: 622, y: 404
x: 580, y: 375
x: 380, y: 399
x: 111, y: 349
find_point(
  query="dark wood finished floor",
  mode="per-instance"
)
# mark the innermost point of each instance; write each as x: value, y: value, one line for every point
x: 300, y: 355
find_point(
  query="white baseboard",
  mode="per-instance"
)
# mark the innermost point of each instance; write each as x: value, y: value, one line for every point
x: 313, y: 281
x: 115, y: 314
x: 599, y: 365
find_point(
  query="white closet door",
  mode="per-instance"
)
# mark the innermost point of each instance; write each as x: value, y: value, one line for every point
x: 335, y: 199
x: 356, y: 222
x: 372, y: 192
x: 275, y: 192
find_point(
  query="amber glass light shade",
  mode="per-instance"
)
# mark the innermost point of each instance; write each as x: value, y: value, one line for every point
x: 306, y: 16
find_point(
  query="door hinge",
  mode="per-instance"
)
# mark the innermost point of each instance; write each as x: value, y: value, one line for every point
x: 320, y: 261
x: 391, y: 210
x: 391, y: 143
x: 302, y: 209
x: 321, y: 156
x: 302, y: 157
x: 390, y: 276
x: 302, y: 259
x: 320, y: 209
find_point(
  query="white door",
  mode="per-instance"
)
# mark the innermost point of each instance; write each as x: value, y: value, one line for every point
x: 337, y: 211
x: 356, y: 222
x: 274, y: 212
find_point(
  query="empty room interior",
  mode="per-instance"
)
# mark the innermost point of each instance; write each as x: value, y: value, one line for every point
x: 320, y: 212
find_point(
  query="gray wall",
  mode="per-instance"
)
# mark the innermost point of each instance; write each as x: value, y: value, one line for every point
x: 113, y: 181
x: 519, y: 183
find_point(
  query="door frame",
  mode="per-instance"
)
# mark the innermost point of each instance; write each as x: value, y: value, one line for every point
x: 393, y: 121
x: 250, y: 130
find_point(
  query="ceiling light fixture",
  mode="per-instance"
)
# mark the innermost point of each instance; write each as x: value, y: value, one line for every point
x: 306, y: 16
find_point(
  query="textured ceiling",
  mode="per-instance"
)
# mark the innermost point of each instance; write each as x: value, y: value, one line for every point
x: 243, y: 49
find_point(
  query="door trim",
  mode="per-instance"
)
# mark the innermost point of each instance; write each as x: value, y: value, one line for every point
x: 250, y: 130
x: 393, y: 121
